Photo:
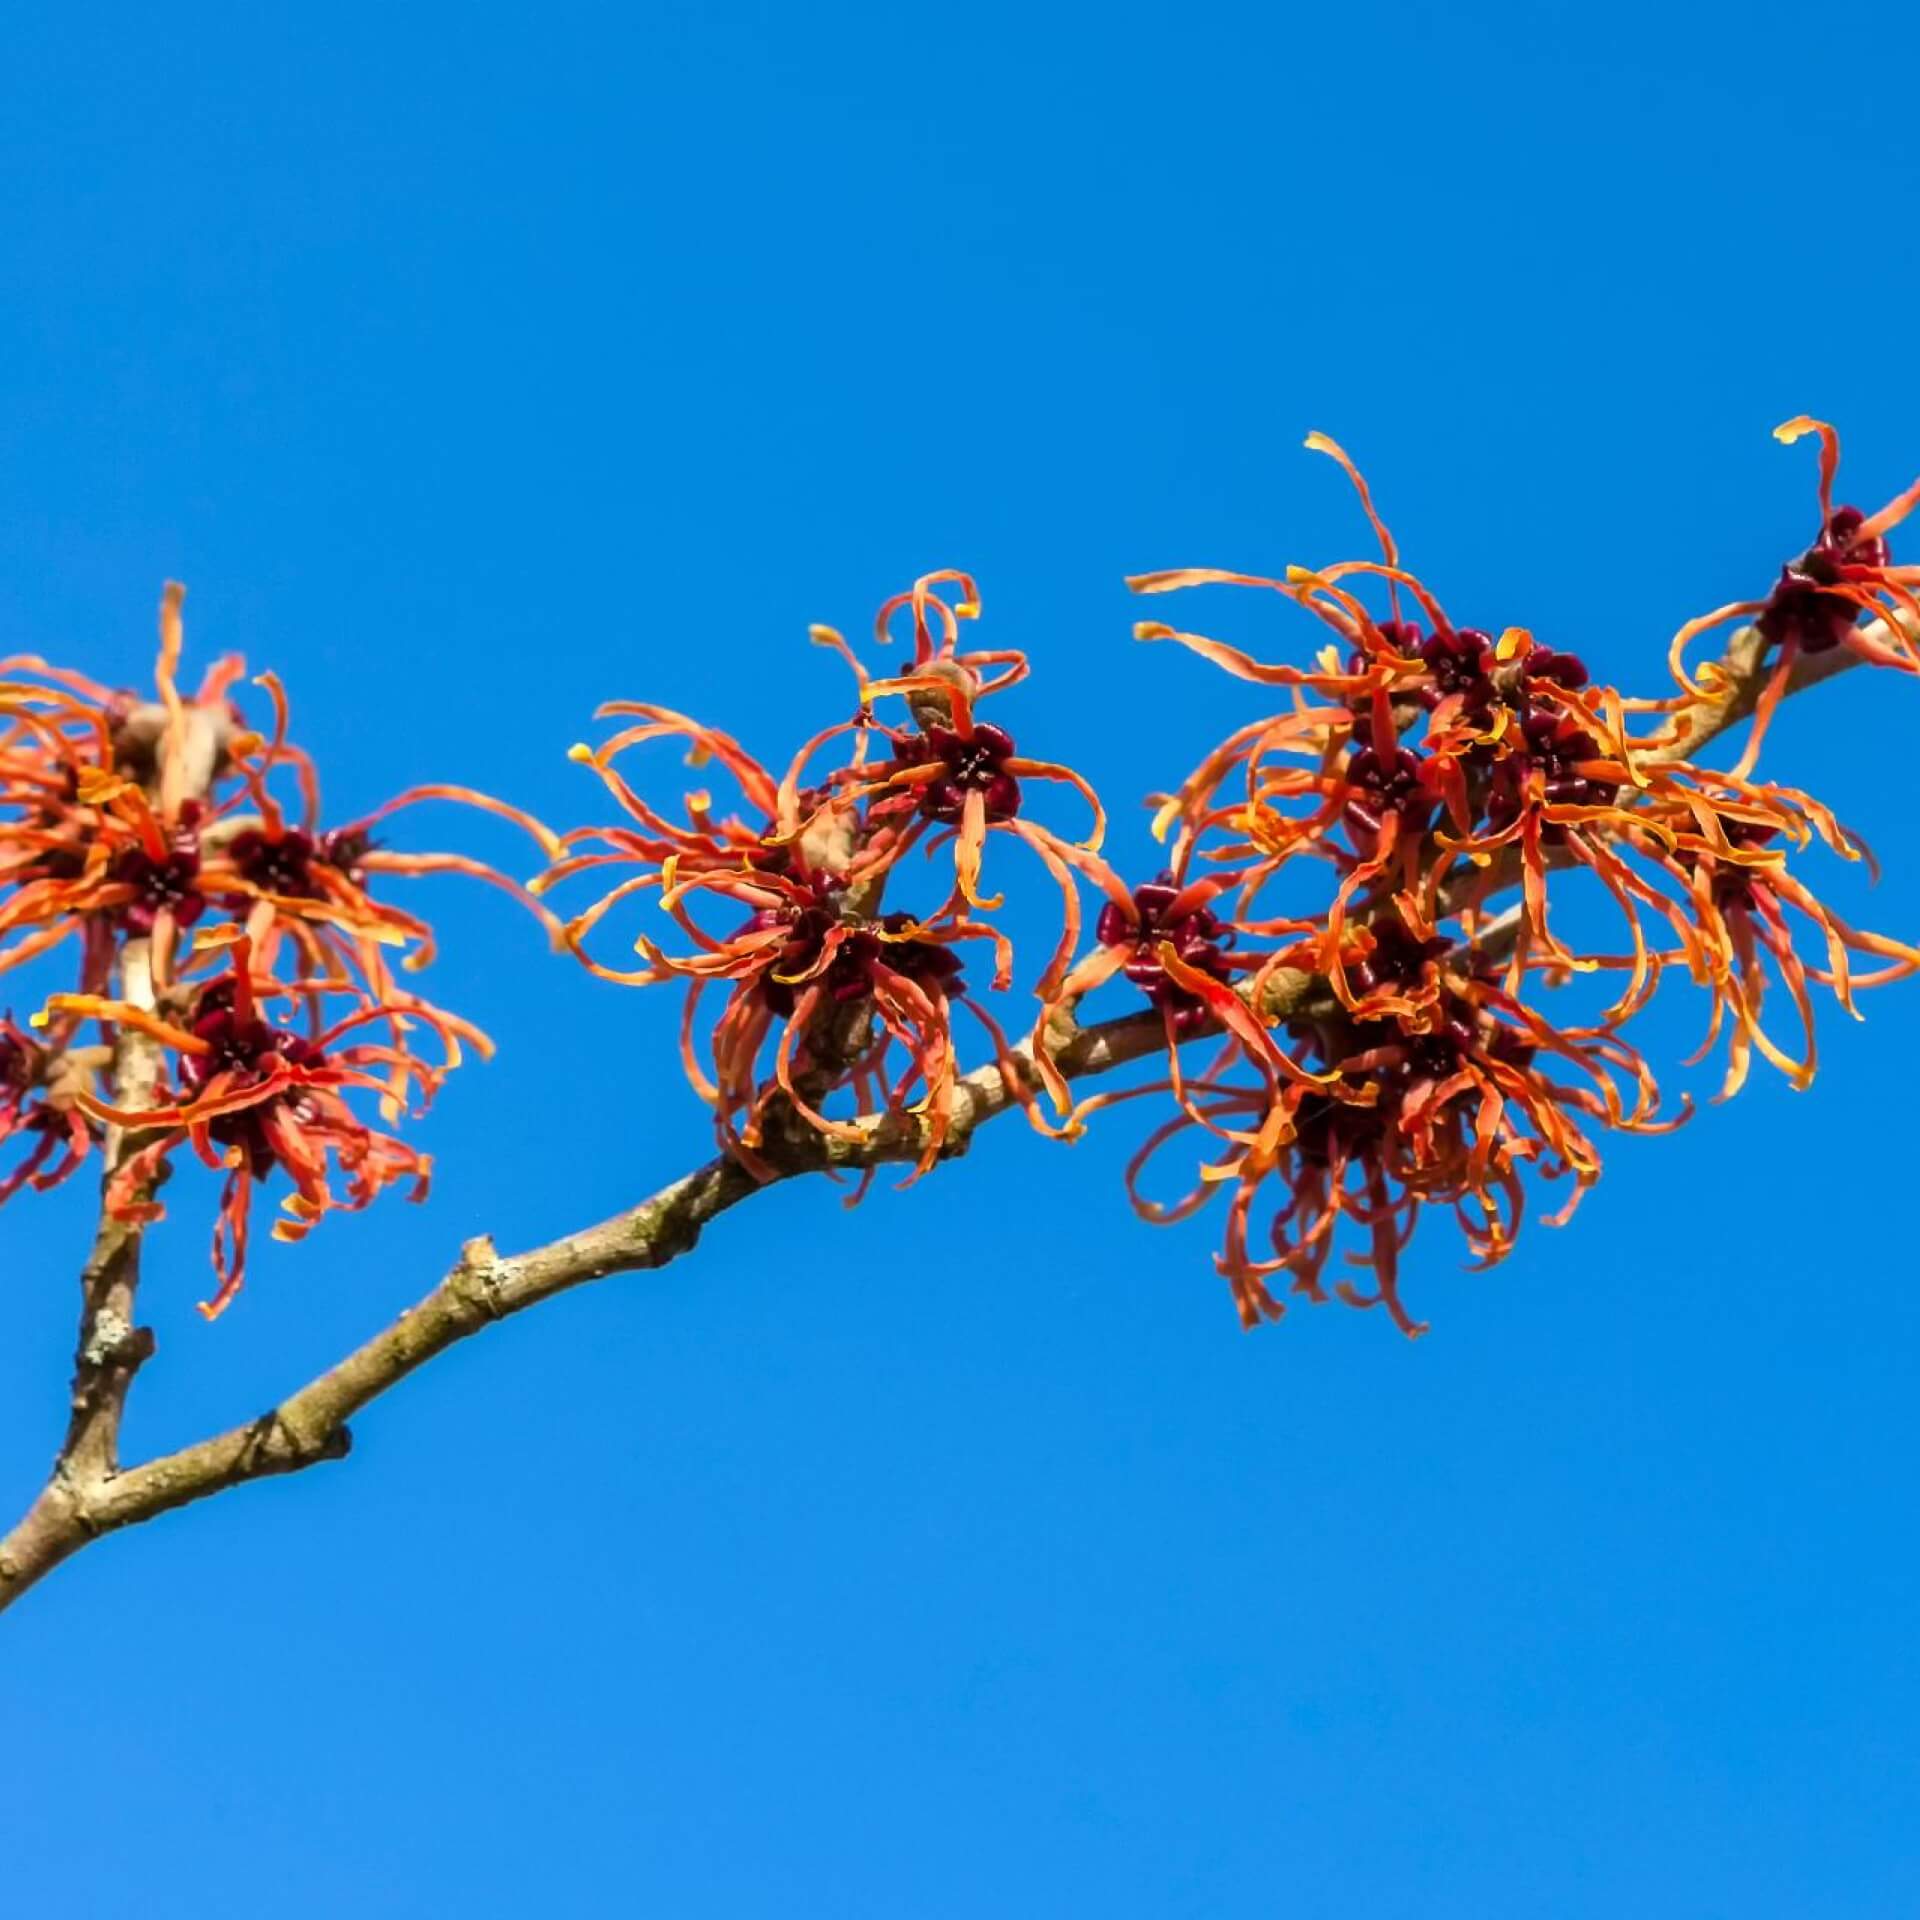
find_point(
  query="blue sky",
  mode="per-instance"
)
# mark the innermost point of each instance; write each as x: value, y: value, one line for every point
x: 959, y: 1556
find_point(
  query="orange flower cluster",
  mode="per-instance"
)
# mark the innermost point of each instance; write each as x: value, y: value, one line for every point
x: 1433, y: 767
x: 1379, y: 1050
x: 156, y: 842
x: 1366, y: 1119
x: 828, y: 988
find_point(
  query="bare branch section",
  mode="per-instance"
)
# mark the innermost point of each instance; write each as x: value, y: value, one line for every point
x: 111, y: 1347
x: 90, y: 1494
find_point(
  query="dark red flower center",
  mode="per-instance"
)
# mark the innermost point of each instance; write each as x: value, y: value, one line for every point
x: 1733, y: 886
x: 1410, y: 1054
x: 971, y: 763
x: 248, y: 1051
x: 1394, y: 783
x: 931, y: 965
x: 279, y: 863
x: 1396, y: 959
x: 1195, y: 934
x: 1460, y: 661
x: 170, y: 883
x: 1402, y: 636
x: 1436, y: 1054
x: 1564, y: 669
x: 1803, y: 606
x: 1326, y: 1127
x: 1555, y: 747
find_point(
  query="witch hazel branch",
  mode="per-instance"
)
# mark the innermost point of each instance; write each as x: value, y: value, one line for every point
x: 1342, y: 996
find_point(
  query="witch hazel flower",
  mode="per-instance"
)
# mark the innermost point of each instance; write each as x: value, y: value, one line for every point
x: 256, y: 1078
x: 154, y: 840
x: 827, y: 990
x: 950, y: 772
x: 1744, y: 910
x: 1844, y: 592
